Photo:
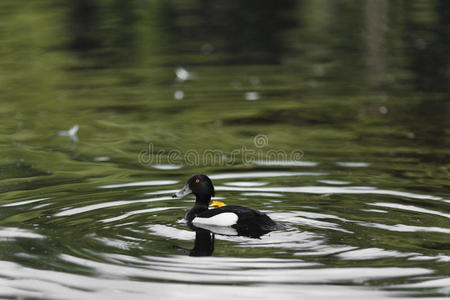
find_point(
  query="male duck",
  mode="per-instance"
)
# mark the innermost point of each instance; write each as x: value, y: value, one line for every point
x: 239, y: 217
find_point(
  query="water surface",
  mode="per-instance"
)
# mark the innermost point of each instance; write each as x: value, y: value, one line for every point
x: 331, y: 117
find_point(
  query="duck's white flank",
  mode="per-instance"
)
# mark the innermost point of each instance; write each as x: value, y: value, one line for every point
x: 223, y: 219
x: 224, y: 230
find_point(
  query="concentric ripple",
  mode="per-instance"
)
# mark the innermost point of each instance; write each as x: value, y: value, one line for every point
x: 130, y: 238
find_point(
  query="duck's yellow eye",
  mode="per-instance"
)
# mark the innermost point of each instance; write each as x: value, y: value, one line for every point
x: 197, y: 180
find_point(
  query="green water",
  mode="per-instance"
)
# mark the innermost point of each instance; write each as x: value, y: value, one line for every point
x: 330, y: 116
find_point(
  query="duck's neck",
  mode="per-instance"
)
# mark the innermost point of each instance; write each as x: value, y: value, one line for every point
x: 202, y: 200
x: 201, y: 204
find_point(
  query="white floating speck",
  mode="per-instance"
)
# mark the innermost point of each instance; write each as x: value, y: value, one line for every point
x: 72, y: 133
x: 383, y: 110
x: 178, y: 95
x: 252, y: 96
x: 101, y: 158
x: 182, y: 74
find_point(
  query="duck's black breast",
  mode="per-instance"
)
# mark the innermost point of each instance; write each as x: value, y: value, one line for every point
x: 246, y: 215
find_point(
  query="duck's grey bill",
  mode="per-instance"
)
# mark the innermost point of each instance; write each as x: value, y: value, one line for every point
x: 183, y: 192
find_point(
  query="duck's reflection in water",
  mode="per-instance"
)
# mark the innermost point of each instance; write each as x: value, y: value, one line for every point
x: 205, y: 237
x: 203, y: 245
x: 249, y: 230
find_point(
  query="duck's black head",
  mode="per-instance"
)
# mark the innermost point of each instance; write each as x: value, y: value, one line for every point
x: 201, y: 186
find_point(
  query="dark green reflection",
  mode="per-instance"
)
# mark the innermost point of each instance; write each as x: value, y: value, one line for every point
x: 339, y: 81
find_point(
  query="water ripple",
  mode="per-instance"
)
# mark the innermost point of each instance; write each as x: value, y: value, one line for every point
x: 289, y: 163
x: 246, y: 183
x: 140, y: 183
x: 372, y: 253
x: 11, y: 233
x: 191, y: 273
x: 18, y: 281
x: 78, y: 210
x: 411, y: 208
x: 263, y: 175
x: 18, y: 203
x: 405, y: 228
x: 442, y: 284
x: 295, y: 218
x: 330, y: 190
x: 353, y: 164
x: 256, y: 194
x: 136, y: 212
